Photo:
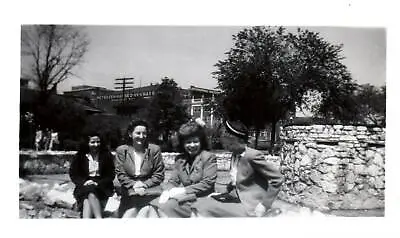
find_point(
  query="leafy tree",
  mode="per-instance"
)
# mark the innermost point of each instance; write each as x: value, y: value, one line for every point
x: 63, y: 115
x: 166, y: 111
x: 51, y: 53
x: 108, y: 126
x: 26, y: 130
x: 371, y: 104
x: 268, y: 70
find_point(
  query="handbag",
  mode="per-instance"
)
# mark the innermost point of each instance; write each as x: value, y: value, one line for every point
x: 225, y: 197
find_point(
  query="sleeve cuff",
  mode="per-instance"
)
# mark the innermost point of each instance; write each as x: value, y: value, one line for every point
x: 147, y: 184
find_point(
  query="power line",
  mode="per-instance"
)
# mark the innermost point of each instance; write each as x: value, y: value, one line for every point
x: 124, y: 82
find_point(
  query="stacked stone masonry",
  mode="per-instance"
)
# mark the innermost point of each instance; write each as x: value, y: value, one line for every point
x: 325, y: 166
x: 59, y: 163
x: 334, y: 166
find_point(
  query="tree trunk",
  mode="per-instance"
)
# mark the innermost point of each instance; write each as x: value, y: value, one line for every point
x: 273, y: 133
x: 257, y: 136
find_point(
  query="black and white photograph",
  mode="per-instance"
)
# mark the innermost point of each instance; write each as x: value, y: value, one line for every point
x: 178, y: 121
x: 266, y: 124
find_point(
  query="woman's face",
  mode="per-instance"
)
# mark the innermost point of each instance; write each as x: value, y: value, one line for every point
x: 94, y: 143
x: 192, y: 145
x: 139, y: 135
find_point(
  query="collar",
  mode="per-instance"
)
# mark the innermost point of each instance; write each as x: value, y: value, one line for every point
x: 146, y: 151
x: 89, y: 157
x: 196, y: 160
x: 241, y: 154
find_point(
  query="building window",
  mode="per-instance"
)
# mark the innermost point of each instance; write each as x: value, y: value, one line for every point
x: 197, y: 109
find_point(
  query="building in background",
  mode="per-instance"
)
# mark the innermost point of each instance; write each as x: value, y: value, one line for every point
x: 197, y: 100
x: 29, y: 93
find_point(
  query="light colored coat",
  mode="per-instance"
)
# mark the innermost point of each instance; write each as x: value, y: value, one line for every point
x: 257, y: 181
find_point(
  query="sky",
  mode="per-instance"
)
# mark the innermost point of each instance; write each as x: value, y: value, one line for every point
x: 188, y: 54
x: 365, y: 54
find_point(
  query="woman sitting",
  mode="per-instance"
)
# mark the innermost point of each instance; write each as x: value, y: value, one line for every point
x: 92, y: 172
x: 139, y: 167
x: 194, y: 174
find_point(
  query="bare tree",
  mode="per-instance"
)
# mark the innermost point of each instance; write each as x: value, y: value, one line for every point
x: 52, y: 51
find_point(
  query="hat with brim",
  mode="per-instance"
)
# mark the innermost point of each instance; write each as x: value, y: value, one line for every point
x: 237, y: 129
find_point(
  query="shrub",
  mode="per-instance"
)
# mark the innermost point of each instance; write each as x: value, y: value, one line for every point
x: 70, y: 144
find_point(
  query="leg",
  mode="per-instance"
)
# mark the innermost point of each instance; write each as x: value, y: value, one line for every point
x: 209, y: 207
x: 173, y: 209
x: 86, y: 209
x: 95, y: 205
x: 143, y: 212
x: 153, y: 212
x: 194, y: 213
x: 161, y: 214
x: 130, y: 205
x: 130, y: 213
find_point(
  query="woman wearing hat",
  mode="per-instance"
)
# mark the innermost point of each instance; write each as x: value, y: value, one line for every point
x: 255, y: 182
x: 194, y: 174
x: 139, y: 167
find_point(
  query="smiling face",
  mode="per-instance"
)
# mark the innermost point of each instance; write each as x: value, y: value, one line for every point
x: 139, y: 136
x: 94, y: 144
x: 192, y: 146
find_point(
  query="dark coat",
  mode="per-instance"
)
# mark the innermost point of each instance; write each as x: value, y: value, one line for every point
x: 79, y: 173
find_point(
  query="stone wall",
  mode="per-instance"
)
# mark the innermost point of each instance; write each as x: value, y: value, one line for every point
x: 59, y: 163
x: 45, y: 162
x: 333, y: 166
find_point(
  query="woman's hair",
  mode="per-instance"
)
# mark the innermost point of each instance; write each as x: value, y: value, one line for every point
x: 131, y: 127
x: 192, y: 129
x: 84, y: 145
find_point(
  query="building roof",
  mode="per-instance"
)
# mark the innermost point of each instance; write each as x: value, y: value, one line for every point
x: 151, y: 87
x: 27, y: 96
x: 148, y: 88
x: 85, y: 87
x: 203, y: 90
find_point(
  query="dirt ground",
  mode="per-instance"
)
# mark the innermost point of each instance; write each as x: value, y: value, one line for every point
x: 286, y: 208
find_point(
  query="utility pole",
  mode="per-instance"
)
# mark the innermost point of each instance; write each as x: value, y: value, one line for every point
x: 124, y: 82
